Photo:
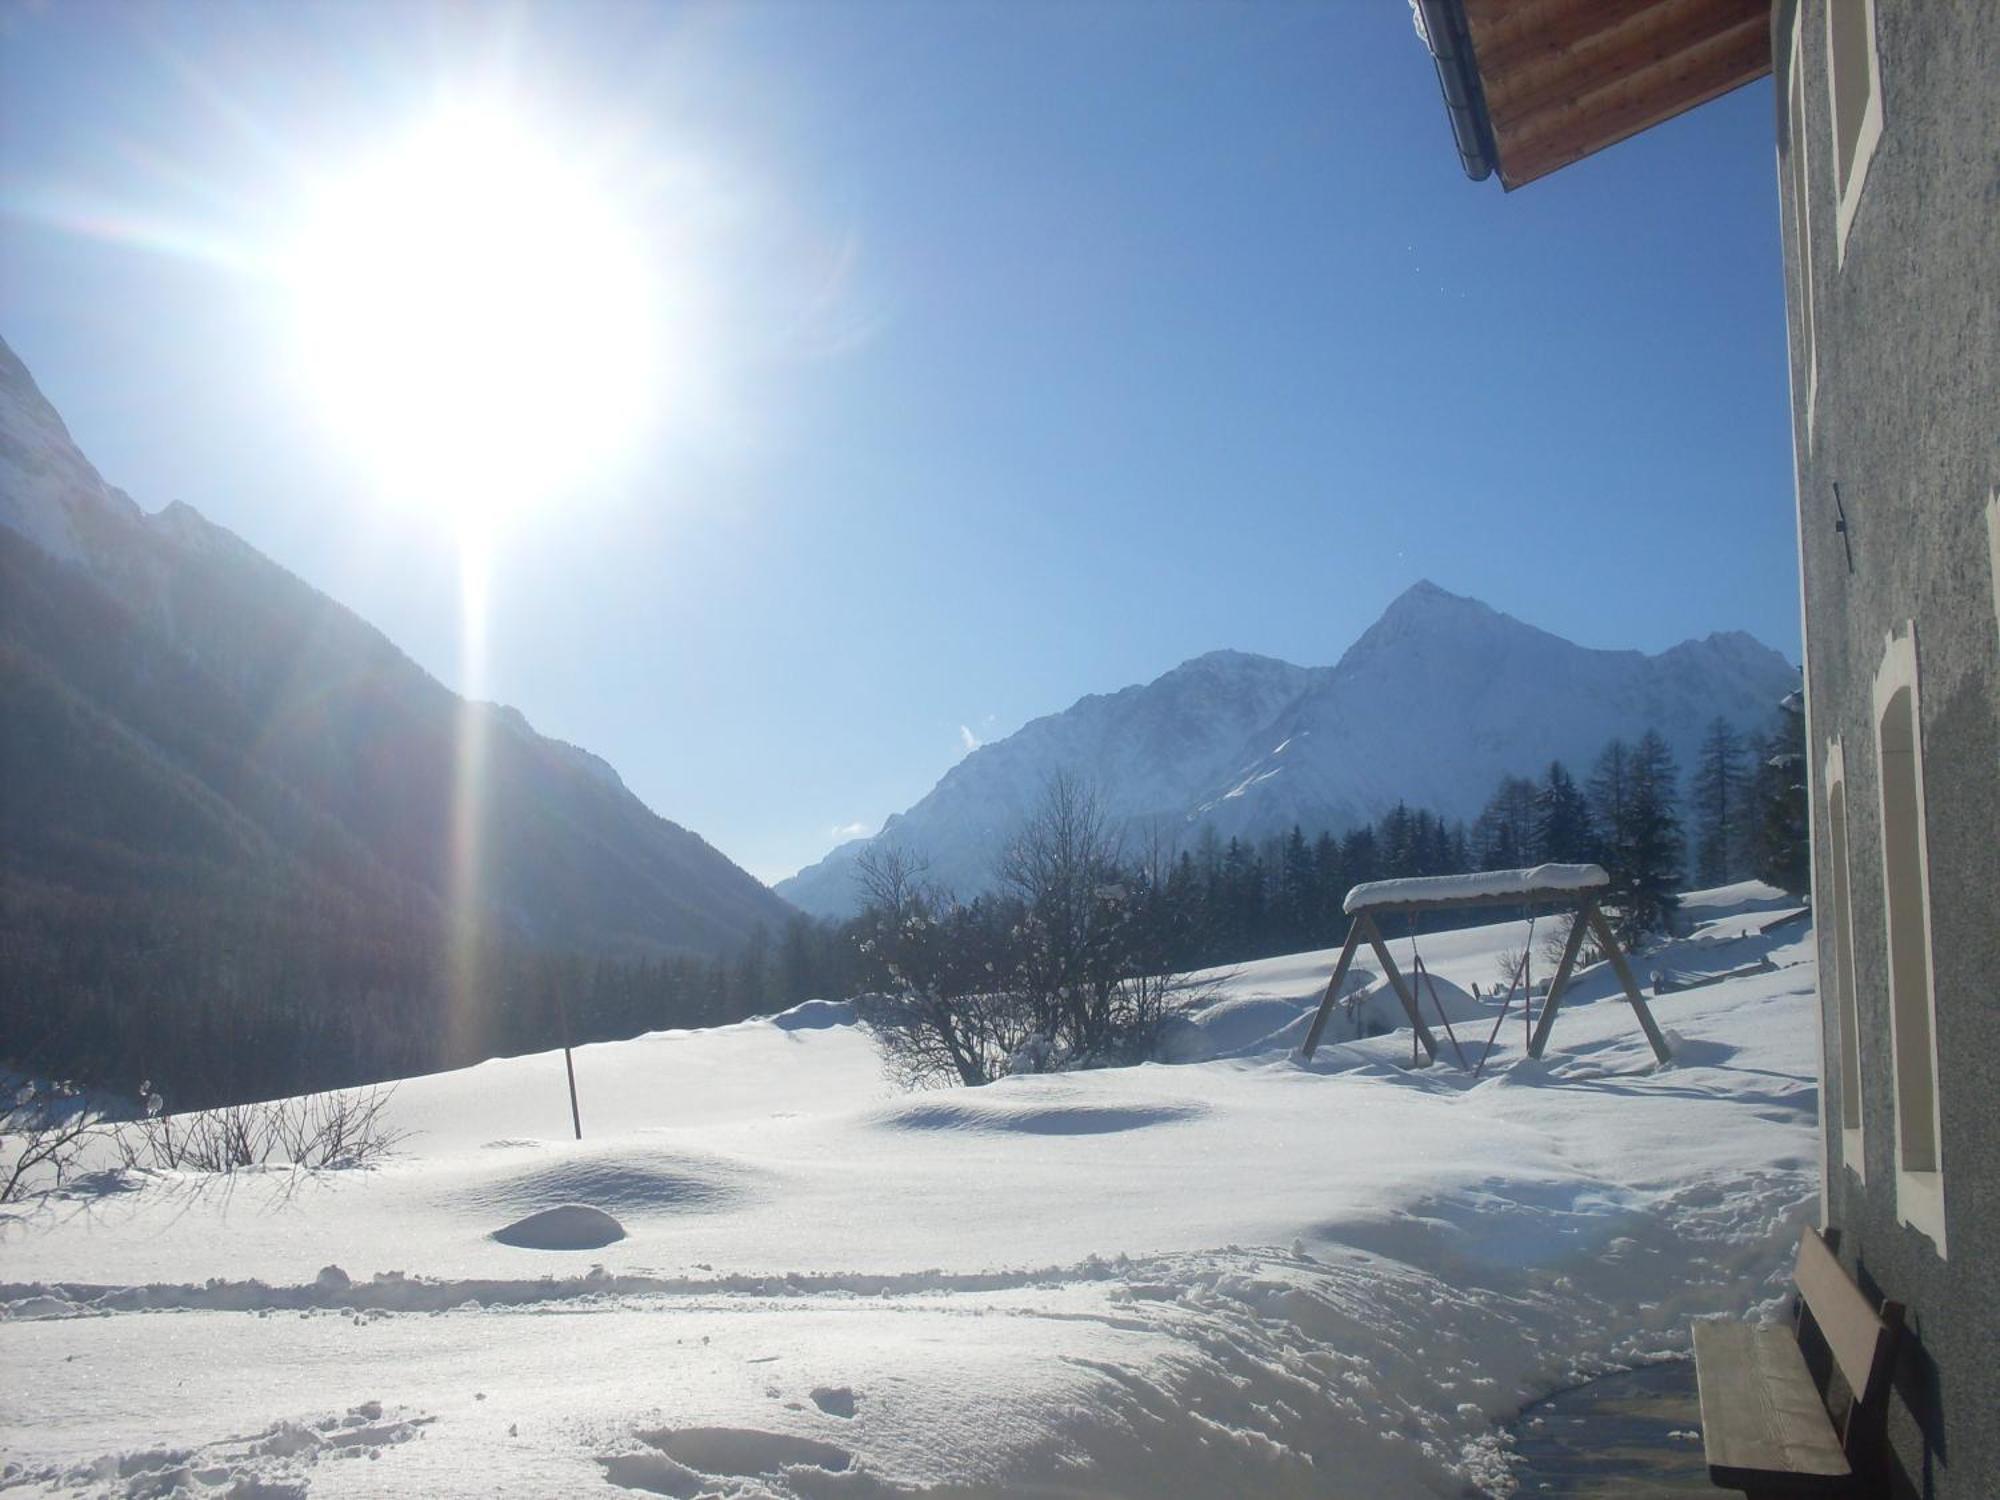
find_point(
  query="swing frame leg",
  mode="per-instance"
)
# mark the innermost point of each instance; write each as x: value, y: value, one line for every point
x: 1363, y: 930
x: 1395, y: 977
x: 1333, y: 988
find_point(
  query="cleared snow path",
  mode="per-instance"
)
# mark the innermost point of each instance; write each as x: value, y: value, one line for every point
x: 1238, y: 1276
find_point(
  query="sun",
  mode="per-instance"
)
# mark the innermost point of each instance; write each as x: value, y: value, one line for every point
x: 475, y: 320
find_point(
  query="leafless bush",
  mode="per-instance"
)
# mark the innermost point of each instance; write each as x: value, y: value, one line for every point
x: 344, y: 1129
x: 44, y: 1130
x: 1065, y: 967
x: 1588, y: 952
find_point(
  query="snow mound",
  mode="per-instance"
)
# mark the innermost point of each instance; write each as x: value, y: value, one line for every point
x: 572, y: 1226
x: 814, y: 1015
x: 989, y: 1114
x: 1376, y: 1011
x: 1246, y: 1024
x: 40, y: 1305
x: 629, y: 1181
x: 1745, y: 896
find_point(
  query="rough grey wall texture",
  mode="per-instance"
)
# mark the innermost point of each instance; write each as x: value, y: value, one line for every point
x: 1907, y: 422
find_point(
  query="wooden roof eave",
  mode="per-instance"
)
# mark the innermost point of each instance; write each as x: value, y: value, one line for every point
x: 1553, y: 81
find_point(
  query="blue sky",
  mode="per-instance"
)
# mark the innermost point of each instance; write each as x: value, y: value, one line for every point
x: 1043, y: 347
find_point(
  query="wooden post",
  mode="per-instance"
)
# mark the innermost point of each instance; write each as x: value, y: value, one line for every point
x: 575, y: 1117
x: 1624, y: 971
x: 1395, y: 977
x: 1570, y: 949
x: 1333, y: 987
x: 569, y: 1065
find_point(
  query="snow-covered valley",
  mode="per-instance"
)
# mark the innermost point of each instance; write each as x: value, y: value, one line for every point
x: 1246, y: 1275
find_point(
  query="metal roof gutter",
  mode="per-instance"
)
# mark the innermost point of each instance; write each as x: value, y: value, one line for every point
x: 1444, y: 30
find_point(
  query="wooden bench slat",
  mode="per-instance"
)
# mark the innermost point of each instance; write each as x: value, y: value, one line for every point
x: 1761, y: 1414
x: 1851, y: 1328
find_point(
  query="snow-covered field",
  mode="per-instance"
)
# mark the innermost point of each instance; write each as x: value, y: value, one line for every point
x: 1245, y: 1275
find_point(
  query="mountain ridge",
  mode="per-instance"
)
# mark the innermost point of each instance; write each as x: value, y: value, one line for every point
x: 1437, y: 699
x: 171, y: 655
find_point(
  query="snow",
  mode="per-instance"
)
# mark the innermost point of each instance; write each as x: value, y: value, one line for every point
x: 567, y: 1226
x: 1244, y: 1274
x: 1482, y: 883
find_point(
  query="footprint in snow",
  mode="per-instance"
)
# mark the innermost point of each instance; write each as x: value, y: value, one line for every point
x: 834, y: 1400
x: 686, y: 1459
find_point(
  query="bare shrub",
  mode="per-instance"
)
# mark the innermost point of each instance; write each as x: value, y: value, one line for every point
x: 318, y: 1131
x: 1588, y: 952
x: 45, y: 1127
x: 1065, y: 967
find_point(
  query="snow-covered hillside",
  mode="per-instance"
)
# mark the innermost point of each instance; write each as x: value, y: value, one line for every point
x: 1434, y: 703
x: 1241, y: 1275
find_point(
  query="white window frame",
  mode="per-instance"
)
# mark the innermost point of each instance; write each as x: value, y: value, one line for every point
x: 1993, y: 543
x: 1847, y: 1016
x: 1801, y: 170
x: 1919, y: 1193
x: 1866, y: 139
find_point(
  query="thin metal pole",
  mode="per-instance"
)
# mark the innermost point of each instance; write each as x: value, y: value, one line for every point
x: 575, y: 1117
x: 1520, y: 970
x: 1528, y: 992
x: 569, y: 1063
x: 1422, y: 975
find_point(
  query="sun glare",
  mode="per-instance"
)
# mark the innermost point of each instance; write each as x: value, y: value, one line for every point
x: 475, y: 320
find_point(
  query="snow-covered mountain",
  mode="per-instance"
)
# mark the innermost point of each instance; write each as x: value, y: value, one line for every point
x: 1436, y: 701
x: 185, y: 722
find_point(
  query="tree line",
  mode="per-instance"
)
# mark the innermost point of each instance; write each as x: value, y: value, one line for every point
x: 1739, y: 813
x: 222, y: 986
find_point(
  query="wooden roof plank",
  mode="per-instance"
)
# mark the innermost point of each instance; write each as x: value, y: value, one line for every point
x: 1627, y: 106
x: 1507, y: 35
x: 1650, y: 38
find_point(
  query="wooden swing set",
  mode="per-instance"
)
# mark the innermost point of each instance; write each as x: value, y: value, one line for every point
x: 1573, y: 887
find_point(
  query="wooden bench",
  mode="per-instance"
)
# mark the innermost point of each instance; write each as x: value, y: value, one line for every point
x: 1766, y: 1425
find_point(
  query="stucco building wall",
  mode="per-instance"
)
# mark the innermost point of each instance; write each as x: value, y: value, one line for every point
x: 1905, y: 420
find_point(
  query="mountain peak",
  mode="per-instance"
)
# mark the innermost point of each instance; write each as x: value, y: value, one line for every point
x: 1227, y: 662
x: 49, y: 492
x: 1425, y: 598
x: 1423, y: 611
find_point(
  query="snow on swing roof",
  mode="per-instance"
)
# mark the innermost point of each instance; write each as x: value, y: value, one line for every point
x: 1496, y: 886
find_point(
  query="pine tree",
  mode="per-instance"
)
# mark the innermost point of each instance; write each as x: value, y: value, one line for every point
x: 1458, y: 850
x: 1243, y: 899
x: 1655, y: 843
x: 1717, y: 792
x: 1637, y: 833
x: 1611, y: 807
x: 1360, y: 857
x: 1503, y: 838
x: 1562, y: 819
x: 1746, y: 830
x: 1396, y: 837
x: 1296, y: 906
x: 1329, y: 890
x: 1783, y: 854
